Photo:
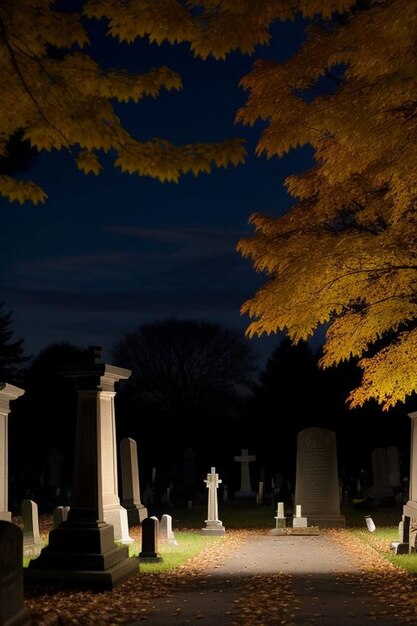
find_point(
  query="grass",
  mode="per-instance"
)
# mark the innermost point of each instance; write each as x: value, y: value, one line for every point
x: 248, y: 515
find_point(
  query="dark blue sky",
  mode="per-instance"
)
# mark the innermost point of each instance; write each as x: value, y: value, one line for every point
x: 107, y: 253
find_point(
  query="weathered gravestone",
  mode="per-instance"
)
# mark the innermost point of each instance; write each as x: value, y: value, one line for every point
x: 82, y: 550
x: 136, y: 511
x: 317, y: 482
x: 381, y: 489
x: 150, y: 541
x: 8, y: 393
x: 213, y: 524
x: 245, y: 490
x: 166, y: 533
x: 394, y: 469
x: 12, y: 609
x: 32, y: 542
x: 59, y: 515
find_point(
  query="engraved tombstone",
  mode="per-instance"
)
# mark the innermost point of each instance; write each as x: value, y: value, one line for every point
x: 317, y: 481
x: 12, y: 609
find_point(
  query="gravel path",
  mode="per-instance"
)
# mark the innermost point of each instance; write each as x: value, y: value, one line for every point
x: 270, y: 580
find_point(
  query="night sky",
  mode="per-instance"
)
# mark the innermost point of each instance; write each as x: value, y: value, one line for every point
x: 107, y: 253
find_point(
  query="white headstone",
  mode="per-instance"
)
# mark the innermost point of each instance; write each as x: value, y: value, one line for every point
x: 213, y: 524
x: 166, y: 533
x: 32, y: 542
x: 59, y: 515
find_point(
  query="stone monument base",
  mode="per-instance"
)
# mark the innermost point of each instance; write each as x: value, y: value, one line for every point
x: 327, y: 521
x: 136, y: 514
x: 213, y: 527
x: 156, y: 558
x: 278, y: 531
x: 82, y: 555
x: 5, y: 516
x: 117, y: 517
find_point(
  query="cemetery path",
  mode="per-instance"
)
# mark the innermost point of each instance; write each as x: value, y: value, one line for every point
x: 292, y: 580
x: 251, y: 578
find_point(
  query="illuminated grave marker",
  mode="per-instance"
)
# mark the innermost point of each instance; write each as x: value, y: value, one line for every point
x: 213, y: 524
x: 165, y: 530
x: 31, y: 538
x: 317, y: 481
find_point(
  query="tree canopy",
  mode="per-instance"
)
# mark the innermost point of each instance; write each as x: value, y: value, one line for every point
x: 187, y: 368
x: 57, y: 96
x: 345, y: 255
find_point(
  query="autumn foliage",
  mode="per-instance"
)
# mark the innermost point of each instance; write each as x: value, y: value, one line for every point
x: 65, y: 100
x: 345, y: 255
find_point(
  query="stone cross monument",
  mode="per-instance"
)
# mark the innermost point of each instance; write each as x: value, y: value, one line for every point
x: 245, y: 490
x: 213, y: 524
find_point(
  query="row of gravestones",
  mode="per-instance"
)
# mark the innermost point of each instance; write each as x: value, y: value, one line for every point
x: 12, y: 545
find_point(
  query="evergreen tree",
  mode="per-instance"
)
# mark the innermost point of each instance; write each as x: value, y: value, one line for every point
x: 11, y: 352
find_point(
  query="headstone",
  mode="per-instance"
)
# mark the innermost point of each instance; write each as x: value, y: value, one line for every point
x: 12, y: 609
x: 394, y: 472
x: 298, y: 521
x: 8, y: 393
x: 317, y: 482
x: 245, y: 490
x: 32, y: 542
x: 166, y: 533
x: 82, y: 550
x: 381, y: 488
x: 260, y: 494
x: 150, y: 540
x: 59, y: 515
x: 213, y: 524
x: 136, y: 511
x: 280, y: 521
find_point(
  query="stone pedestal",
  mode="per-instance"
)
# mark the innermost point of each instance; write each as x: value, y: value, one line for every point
x: 136, y: 511
x: 82, y: 550
x: 7, y: 394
